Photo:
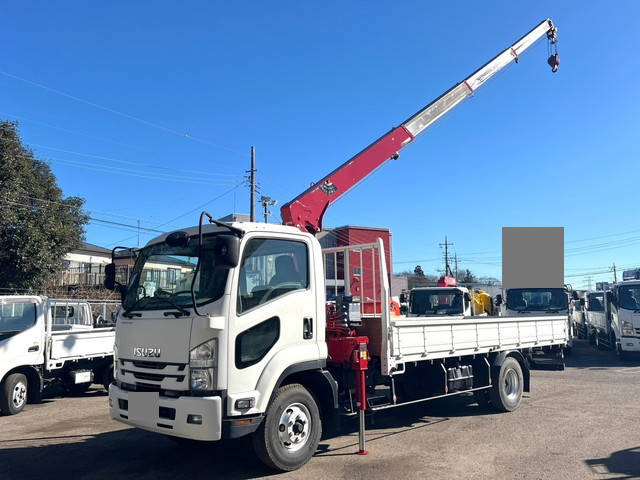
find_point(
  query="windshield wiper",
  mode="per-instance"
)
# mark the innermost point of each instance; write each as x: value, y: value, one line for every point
x: 181, y: 310
x: 127, y: 313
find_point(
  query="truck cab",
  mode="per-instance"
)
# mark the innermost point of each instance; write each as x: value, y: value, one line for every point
x: 433, y: 301
x: 596, y: 316
x: 259, y: 292
x: 43, y: 340
x: 624, y: 303
x: 539, y: 301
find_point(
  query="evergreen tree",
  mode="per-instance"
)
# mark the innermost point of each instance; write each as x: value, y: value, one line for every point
x: 38, y: 226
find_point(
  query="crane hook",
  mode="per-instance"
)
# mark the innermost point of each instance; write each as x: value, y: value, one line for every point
x: 554, y: 62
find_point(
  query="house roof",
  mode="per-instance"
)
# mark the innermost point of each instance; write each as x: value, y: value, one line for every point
x: 91, y: 249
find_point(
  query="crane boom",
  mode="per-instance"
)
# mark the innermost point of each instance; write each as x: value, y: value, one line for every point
x: 307, y: 209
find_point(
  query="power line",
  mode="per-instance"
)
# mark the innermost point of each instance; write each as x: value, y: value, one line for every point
x: 189, y: 212
x: 116, y: 112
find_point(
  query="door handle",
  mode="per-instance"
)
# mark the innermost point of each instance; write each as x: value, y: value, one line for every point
x: 33, y: 348
x: 307, y: 328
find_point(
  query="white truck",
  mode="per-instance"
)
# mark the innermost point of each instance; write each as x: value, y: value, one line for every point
x: 597, y: 316
x: 539, y: 302
x: 433, y: 301
x: 44, y: 340
x: 251, y: 347
x: 614, y: 316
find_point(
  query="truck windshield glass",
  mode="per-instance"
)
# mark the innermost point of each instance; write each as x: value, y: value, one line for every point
x: 596, y: 302
x: 537, y: 299
x: 630, y: 297
x: 439, y: 302
x: 163, y: 274
x: 16, y: 317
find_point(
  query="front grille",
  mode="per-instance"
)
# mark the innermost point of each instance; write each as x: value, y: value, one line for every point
x: 146, y: 387
x: 154, y: 377
x: 146, y: 375
x: 154, y: 365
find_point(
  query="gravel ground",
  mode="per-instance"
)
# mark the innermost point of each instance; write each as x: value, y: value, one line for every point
x: 583, y: 422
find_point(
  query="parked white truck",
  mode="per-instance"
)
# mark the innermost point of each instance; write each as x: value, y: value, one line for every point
x: 613, y: 316
x: 44, y: 340
x: 251, y: 349
x: 239, y: 339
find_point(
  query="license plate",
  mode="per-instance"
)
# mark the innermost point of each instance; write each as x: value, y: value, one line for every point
x: 82, y: 377
x: 143, y: 406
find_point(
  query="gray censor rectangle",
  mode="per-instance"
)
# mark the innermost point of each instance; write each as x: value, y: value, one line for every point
x: 532, y: 257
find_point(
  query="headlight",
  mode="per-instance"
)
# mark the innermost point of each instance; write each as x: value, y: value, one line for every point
x: 202, y: 359
x: 201, y: 379
x: 627, y: 329
x: 205, y: 355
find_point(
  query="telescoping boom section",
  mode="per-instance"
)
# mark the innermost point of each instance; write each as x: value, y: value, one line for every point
x: 307, y: 209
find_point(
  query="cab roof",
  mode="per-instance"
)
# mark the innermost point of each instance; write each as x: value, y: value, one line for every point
x: 244, y: 226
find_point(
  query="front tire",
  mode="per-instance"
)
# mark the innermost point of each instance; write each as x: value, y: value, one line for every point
x: 507, y: 389
x: 13, y: 394
x: 289, y: 435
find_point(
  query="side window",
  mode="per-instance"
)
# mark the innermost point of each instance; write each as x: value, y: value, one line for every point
x: 271, y: 268
x: 253, y: 344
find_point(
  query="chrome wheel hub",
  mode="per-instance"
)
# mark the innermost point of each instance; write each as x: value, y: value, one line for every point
x: 511, y: 385
x: 294, y: 427
x: 19, y: 395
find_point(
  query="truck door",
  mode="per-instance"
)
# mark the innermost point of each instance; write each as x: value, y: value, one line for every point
x: 22, y: 324
x: 273, y: 319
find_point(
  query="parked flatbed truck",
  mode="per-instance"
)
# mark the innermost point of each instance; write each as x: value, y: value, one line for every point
x: 43, y: 340
x: 253, y: 348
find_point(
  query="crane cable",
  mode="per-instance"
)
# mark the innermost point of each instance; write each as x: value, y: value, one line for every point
x: 552, y: 49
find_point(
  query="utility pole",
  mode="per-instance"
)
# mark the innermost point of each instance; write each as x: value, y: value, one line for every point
x: 446, y: 245
x: 138, y: 244
x: 615, y: 275
x: 589, y: 282
x: 455, y: 261
x: 266, y: 203
x: 252, y: 185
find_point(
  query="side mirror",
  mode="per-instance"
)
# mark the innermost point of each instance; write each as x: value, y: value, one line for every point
x: 582, y: 302
x: 110, y: 277
x: 227, y: 250
x: 498, y: 300
x: 574, y: 294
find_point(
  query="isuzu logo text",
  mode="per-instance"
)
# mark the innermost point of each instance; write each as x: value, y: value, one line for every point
x: 146, y: 352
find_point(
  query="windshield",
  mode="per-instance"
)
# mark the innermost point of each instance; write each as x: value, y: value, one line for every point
x: 596, y: 302
x: 630, y: 297
x: 536, y: 299
x: 162, y: 276
x: 442, y: 301
x: 16, y: 317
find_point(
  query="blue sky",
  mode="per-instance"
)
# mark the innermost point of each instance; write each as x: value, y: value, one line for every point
x: 162, y: 101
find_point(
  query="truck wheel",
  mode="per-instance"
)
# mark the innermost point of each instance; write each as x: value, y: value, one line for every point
x: 107, y: 377
x: 289, y: 435
x: 506, y: 392
x: 13, y: 394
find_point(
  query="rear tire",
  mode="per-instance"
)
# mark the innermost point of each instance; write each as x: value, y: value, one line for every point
x: 291, y: 430
x: 507, y: 389
x: 13, y: 394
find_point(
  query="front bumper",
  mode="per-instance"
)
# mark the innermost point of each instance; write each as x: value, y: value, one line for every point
x: 171, y: 416
x: 630, y: 344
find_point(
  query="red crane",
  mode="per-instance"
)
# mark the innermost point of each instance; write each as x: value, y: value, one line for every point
x: 307, y: 209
